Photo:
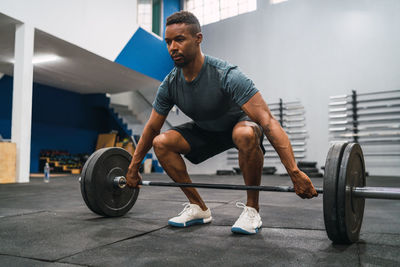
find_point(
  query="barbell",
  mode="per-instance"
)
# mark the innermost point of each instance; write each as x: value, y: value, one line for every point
x: 105, y: 192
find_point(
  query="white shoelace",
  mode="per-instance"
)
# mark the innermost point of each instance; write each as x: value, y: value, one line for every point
x: 246, y: 210
x: 186, y: 209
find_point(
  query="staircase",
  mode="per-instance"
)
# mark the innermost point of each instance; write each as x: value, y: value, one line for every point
x: 128, y: 117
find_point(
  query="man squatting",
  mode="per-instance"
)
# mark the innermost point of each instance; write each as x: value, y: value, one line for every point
x: 227, y: 111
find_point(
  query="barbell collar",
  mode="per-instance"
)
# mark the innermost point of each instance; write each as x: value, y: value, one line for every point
x: 119, y: 182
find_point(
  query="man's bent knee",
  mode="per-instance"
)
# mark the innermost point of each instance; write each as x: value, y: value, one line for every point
x: 246, y: 137
x: 170, y: 141
x: 159, y: 142
x: 159, y: 145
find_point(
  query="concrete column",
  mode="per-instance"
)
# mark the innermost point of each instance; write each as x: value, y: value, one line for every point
x: 22, y: 99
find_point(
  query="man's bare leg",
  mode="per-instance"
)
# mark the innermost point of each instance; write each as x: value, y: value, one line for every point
x: 168, y: 147
x: 246, y: 136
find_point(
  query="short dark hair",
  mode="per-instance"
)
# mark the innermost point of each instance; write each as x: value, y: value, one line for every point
x: 187, y: 18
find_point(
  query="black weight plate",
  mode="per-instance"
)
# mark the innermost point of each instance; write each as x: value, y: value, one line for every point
x: 102, y: 195
x: 84, y: 178
x: 350, y: 209
x: 332, y: 168
x: 111, y: 200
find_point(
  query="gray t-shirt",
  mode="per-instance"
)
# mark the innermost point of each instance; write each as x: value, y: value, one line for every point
x: 212, y: 100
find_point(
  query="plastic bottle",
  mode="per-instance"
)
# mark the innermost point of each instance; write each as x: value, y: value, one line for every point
x: 46, y: 173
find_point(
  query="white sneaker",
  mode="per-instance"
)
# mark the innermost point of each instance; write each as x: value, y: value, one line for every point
x: 249, y: 221
x: 190, y: 215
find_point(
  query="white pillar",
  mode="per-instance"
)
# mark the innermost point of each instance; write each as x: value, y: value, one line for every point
x: 22, y: 99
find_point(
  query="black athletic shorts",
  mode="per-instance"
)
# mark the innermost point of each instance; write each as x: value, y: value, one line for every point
x: 206, y: 144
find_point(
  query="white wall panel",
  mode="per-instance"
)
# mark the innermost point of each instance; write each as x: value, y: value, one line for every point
x: 100, y: 26
x: 309, y: 50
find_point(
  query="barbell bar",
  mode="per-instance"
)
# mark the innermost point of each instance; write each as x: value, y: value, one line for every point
x: 372, y: 134
x: 364, y: 94
x: 370, y: 141
x: 105, y: 192
x: 347, y: 108
x: 377, y: 127
x: 363, y: 192
x: 120, y: 181
x: 345, y: 102
x: 295, y: 102
x: 382, y: 154
x: 374, y: 114
x: 366, y: 121
x: 377, y: 192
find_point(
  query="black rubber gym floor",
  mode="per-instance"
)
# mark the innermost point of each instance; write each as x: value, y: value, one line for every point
x: 50, y: 225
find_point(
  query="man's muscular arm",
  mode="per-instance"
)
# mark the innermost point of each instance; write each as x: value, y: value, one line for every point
x: 151, y: 130
x: 258, y: 111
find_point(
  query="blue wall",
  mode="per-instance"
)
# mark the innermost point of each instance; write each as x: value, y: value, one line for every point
x: 61, y: 120
x: 146, y: 54
x: 170, y: 7
x: 5, y: 106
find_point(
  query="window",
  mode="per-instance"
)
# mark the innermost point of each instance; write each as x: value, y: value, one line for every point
x: 149, y: 15
x: 208, y: 11
x: 144, y: 14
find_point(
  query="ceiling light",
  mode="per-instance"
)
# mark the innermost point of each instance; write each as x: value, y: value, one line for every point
x: 41, y: 59
x: 44, y: 59
x: 274, y: 2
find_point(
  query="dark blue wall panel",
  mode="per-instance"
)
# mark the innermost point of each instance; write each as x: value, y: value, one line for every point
x: 56, y: 137
x: 61, y: 120
x: 5, y: 128
x: 6, y: 84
